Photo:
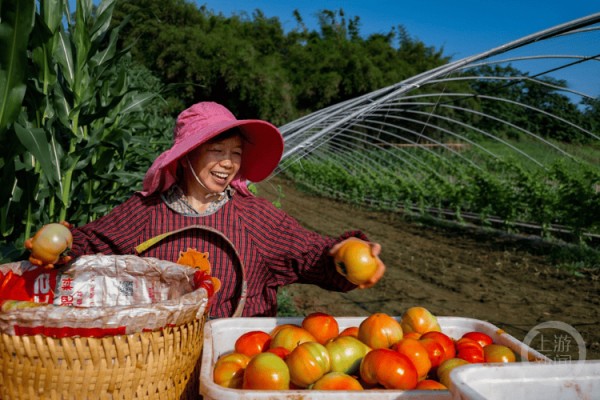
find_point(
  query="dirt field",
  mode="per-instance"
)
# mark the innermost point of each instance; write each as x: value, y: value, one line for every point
x: 464, y: 272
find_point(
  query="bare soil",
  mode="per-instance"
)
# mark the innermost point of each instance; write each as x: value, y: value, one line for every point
x: 453, y: 271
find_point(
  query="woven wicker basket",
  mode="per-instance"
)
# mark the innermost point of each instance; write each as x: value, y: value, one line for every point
x: 159, y: 364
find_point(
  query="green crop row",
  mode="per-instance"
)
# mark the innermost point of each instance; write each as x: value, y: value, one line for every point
x: 563, y: 194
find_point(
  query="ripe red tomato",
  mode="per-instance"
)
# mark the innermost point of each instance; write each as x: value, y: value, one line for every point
x: 355, y: 261
x: 307, y: 363
x: 252, y: 343
x: 229, y: 370
x: 419, y: 319
x: 346, y: 353
x: 50, y: 244
x: 379, y: 331
x: 291, y: 336
x: 493, y: 353
x: 416, y: 352
x: 388, y: 368
x: 469, y: 350
x: 266, y: 371
x: 322, y: 326
x: 443, y: 339
x: 482, y: 338
x: 435, y: 351
x: 336, y: 381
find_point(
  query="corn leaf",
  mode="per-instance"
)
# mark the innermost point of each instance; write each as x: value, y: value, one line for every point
x: 34, y: 140
x: 16, y: 19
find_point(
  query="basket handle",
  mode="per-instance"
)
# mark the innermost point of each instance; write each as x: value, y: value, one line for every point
x: 140, y: 248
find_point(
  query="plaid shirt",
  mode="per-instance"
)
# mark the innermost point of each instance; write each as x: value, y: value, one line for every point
x: 273, y: 247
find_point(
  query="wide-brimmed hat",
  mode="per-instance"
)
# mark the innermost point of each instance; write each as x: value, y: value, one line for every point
x: 263, y: 145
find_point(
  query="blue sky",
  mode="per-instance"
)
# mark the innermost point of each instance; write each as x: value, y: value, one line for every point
x: 463, y: 27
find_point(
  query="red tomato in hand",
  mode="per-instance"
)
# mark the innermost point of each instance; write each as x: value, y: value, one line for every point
x: 388, y: 368
x: 252, y: 343
x: 355, y: 261
x: 50, y: 244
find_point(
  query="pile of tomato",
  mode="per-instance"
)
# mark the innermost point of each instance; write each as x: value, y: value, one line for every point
x: 380, y: 353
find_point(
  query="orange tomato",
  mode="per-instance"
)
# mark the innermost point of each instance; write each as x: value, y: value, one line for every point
x: 322, y: 326
x: 379, y: 331
x: 266, y: 371
x: 412, y: 335
x: 350, y: 331
x: 336, y: 381
x: 355, y: 261
x: 493, y: 353
x: 291, y: 336
x: 388, y: 368
x: 416, y: 352
x: 252, y: 343
x: 430, y: 384
x: 307, y: 363
x: 229, y: 370
x: 419, y: 319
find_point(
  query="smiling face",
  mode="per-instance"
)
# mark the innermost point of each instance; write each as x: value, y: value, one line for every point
x: 216, y: 163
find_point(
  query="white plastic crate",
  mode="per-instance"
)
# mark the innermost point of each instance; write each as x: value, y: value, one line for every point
x: 532, y: 381
x: 221, y: 334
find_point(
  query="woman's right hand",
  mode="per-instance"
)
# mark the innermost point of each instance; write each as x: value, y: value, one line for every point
x: 50, y: 245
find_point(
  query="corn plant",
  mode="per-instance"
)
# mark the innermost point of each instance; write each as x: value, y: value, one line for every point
x: 68, y: 115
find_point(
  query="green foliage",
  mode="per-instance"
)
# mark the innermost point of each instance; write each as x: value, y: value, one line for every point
x: 249, y: 63
x: 285, y: 305
x: 79, y: 143
x: 567, y: 195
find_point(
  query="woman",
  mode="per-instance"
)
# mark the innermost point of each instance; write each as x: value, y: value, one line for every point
x: 196, y: 191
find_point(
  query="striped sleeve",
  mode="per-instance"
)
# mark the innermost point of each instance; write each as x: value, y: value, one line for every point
x: 293, y: 253
x: 118, y: 232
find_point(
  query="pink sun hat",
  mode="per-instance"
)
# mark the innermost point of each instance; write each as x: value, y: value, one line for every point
x: 262, y: 151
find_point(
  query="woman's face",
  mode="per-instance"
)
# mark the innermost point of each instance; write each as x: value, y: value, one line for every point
x: 216, y: 163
